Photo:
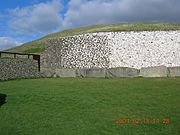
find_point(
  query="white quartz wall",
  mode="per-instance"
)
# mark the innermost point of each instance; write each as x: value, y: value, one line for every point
x: 83, y: 51
x: 115, y: 49
x: 144, y: 49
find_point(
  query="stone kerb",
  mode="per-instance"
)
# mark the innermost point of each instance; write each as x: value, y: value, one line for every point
x: 47, y: 72
x: 81, y: 73
x: 65, y: 72
x: 159, y: 71
x: 96, y: 72
x: 173, y: 71
x: 122, y: 72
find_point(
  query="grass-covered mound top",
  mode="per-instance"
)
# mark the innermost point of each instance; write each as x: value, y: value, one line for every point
x: 38, y: 46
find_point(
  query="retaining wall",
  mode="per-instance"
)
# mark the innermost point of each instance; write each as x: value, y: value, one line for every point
x: 122, y: 72
x: 96, y: 72
x: 114, y: 49
x: 160, y: 71
x: 84, y: 51
x: 18, y: 68
x: 65, y: 73
x: 173, y: 71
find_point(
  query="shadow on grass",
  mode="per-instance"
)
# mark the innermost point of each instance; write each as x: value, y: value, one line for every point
x: 2, y: 99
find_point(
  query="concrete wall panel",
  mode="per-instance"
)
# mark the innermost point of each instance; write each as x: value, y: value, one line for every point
x: 173, y: 71
x: 122, y: 72
x: 160, y: 71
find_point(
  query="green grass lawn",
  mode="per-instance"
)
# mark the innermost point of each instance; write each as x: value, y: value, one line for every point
x: 90, y: 106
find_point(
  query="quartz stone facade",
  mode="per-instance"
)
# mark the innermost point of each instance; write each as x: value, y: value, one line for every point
x: 18, y: 68
x: 114, y: 49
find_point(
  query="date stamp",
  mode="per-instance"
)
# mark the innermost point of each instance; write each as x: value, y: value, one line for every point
x: 147, y: 120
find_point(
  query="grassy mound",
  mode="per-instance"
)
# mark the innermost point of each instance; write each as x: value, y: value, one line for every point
x: 38, y: 46
x: 90, y: 106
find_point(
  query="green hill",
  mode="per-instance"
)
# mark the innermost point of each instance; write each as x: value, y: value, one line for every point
x: 38, y: 46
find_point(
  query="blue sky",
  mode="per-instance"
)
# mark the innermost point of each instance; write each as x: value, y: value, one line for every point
x: 26, y: 20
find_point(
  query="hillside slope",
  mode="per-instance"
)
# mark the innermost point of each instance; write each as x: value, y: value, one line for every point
x: 38, y: 46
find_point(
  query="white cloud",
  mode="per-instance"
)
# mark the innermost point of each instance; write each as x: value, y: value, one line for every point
x: 7, y: 42
x: 87, y: 12
x: 41, y: 18
x: 44, y: 18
